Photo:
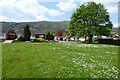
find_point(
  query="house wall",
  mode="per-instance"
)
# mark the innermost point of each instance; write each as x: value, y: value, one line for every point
x: 40, y: 36
x: 11, y: 37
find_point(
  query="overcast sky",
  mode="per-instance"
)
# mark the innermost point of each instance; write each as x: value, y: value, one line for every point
x: 49, y: 10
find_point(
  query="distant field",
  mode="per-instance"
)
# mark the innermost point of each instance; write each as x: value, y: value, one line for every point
x: 59, y: 60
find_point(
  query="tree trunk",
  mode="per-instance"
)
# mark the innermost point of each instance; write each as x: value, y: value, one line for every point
x: 85, y: 38
x: 90, y: 38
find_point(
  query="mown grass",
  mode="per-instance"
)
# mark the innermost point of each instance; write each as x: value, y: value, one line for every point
x: 0, y: 60
x: 59, y: 60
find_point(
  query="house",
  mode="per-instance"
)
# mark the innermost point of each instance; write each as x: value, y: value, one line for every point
x: 58, y: 35
x: 66, y: 37
x: 58, y: 38
x: 75, y: 38
x: 11, y: 35
x: 2, y: 37
x: 38, y: 34
x: 82, y: 38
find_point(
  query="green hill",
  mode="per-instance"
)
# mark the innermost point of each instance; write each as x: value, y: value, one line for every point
x: 42, y: 25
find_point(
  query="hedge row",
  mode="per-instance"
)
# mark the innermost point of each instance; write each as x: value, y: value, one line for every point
x: 116, y: 42
x: 109, y: 41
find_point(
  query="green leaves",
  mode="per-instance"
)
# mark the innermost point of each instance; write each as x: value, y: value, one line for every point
x: 27, y: 33
x: 90, y: 18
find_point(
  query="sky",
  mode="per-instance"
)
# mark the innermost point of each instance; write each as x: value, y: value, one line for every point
x: 49, y: 10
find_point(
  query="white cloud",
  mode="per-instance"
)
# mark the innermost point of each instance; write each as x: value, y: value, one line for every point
x: 3, y: 18
x: 30, y: 10
x: 115, y: 24
x: 71, y: 4
x: 79, y: 0
x: 24, y: 10
x: 20, y: 10
x: 67, y: 6
x: 42, y: 18
x: 97, y: 1
x: 110, y: 5
x: 112, y: 9
x: 53, y: 12
x: 31, y: 7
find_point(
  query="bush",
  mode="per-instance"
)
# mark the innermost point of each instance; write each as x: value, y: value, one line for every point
x: 61, y: 39
x: 49, y: 36
x: 96, y: 39
x: 109, y: 41
x: 39, y: 40
x: 20, y: 38
x: 35, y: 40
x: 105, y: 41
x: 116, y: 42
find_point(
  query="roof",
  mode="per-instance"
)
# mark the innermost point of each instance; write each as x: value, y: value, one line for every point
x: 10, y: 34
x: 37, y: 32
x: 19, y: 31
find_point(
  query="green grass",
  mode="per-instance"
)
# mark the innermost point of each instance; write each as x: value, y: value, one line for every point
x: 0, y: 60
x: 59, y: 60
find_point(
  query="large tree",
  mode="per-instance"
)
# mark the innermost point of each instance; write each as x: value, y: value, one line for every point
x: 90, y: 19
x: 27, y: 33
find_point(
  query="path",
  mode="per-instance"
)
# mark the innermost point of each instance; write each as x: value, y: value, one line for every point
x: 8, y: 41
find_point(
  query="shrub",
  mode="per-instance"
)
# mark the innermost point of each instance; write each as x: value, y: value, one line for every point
x: 95, y: 39
x: 41, y: 39
x: 20, y: 38
x: 105, y: 41
x: 109, y: 41
x: 61, y: 39
x: 49, y: 36
x: 35, y: 40
x: 116, y: 42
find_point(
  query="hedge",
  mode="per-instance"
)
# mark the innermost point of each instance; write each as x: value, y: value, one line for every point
x: 105, y: 41
x: 116, y: 42
x: 109, y: 41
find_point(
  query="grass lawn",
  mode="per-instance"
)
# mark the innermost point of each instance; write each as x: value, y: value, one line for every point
x: 0, y: 60
x: 59, y: 60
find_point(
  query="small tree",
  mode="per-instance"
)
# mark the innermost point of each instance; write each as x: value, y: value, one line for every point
x: 49, y: 36
x: 27, y: 33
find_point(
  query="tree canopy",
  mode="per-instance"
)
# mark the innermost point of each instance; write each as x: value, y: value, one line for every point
x: 90, y: 19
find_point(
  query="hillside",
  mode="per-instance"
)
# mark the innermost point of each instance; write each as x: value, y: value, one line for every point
x: 42, y: 25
